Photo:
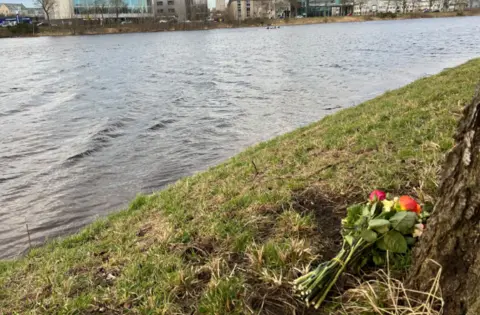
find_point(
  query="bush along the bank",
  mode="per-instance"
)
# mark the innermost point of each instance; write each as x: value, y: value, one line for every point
x: 386, y: 15
x: 370, y: 231
x: 23, y: 29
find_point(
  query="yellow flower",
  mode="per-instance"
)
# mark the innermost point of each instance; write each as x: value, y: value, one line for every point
x: 387, y: 205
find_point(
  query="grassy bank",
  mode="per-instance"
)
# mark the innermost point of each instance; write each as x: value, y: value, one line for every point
x: 229, y: 240
x: 149, y: 26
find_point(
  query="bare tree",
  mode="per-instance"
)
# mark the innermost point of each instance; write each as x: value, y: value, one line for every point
x: 446, y: 5
x: 119, y: 6
x: 100, y: 7
x: 431, y: 3
x: 294, y: 6
x: 414, y: 5
x: 388, y: 6
x: 404, y: 6
x: 397, y: 4
x: 460, y: 5
x: 360, y: 6
x: 48, y: 6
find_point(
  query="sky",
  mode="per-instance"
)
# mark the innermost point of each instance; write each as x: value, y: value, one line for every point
x: 27, y: 3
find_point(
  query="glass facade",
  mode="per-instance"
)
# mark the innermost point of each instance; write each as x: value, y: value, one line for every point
x: 112, y: 6
x: 322, y: 7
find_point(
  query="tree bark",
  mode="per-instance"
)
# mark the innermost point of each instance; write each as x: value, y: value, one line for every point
x: 452, y: 236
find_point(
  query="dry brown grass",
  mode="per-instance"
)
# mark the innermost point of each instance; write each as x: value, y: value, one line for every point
x: 385, y: 295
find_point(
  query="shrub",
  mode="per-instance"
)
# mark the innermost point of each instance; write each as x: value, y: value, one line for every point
x: 387, y: 15
x: 22, y: 29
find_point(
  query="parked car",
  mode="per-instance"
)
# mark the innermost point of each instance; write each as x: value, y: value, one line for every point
x: 126, y: 22
x: 163, y: 21
x: 299, y: 17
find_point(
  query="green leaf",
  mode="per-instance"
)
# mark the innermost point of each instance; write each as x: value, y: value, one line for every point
x: 381, y: 244
x: 378, y: 260
x: 410, y: 240
x: 366, y: 211
x: 349, y: 240
x: 369, y: 235
x: 403, y: 221
x: 373, y: 209
x: 385, y: 215
x: 353, y: 214
x: 380, y: 225
x: 395, y: 242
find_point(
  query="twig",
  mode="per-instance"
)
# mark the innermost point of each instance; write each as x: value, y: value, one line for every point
x: 28, y: 233
x: 256, y: 169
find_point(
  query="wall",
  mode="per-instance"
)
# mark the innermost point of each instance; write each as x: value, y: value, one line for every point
x: 161, y: 9
x: 258, y: 9
x: 63, y: 10
x: 220, y: 5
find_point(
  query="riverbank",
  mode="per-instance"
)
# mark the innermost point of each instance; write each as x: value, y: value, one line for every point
x: 230, y: 240
x: 71, y: 30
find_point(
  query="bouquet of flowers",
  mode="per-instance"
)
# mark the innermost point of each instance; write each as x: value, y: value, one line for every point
x: 380, y: 225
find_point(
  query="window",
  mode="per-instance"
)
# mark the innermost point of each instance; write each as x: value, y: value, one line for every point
x: 159, y: 2
x: 171, y: 10
x: 159, y: 10
x: 170, y: 2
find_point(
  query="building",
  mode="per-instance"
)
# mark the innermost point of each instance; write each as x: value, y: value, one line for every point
x: 35, y: 12
x: 181, y: 10
x: 197, y: 10
x: 365, y: 7
x: 326, y: 7
x: 240, y: 10
x: 9, y: 9
x: 220, y: 5
x: 68, y: 9
x: 168, y: 9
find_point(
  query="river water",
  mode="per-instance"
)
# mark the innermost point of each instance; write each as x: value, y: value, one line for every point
x: 89, y: 121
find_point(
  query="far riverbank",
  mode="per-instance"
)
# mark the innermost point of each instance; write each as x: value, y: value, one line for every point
x: 72, y: 30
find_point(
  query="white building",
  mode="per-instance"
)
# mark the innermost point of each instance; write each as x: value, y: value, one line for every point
x: 220, y: 5
x: 365, y: 7
x: 265, y: 9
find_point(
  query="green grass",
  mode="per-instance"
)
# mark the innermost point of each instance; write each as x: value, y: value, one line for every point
x: 230, y: 240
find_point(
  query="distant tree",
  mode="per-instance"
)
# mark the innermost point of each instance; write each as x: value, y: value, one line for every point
x: 294, y: 6
x: 398, y: 3
x: 100, y: 7
x: 48, y: 6
x: 414, y: 5
x: 119, y: 6
x: 460, y: 5
x: 446, y: 5
x: 404, y: 6
x: 360, y: 6
x: 431, y: 3
x: 388, y: 6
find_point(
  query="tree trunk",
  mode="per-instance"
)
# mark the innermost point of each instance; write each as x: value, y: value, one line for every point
x: 452, y: 236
